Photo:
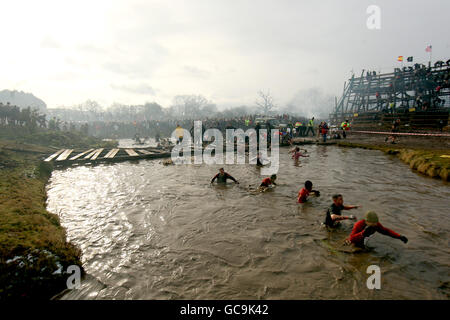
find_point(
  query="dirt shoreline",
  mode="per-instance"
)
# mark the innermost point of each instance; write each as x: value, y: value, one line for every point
x: 34, y: 252
x: 421, y: 153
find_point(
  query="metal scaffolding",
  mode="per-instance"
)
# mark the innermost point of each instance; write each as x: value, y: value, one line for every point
x: 408, y: 89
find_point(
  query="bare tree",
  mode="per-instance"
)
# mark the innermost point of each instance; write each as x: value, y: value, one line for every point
x: 265, y: 101
x: 189, y: 106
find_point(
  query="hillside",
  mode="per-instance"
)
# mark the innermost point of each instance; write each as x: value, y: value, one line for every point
x: 22, y: 99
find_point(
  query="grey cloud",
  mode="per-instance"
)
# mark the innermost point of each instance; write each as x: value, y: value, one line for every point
x: 141, y: 88
x: 196, y: 72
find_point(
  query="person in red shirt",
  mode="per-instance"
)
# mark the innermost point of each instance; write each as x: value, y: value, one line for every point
x: 296, y: 154
x: 303, y: 194
x: 268, y: 181
x: 368, y: 226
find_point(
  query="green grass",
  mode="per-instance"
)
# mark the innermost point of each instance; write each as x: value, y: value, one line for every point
x: 52, y: 139
x: 28, y: 232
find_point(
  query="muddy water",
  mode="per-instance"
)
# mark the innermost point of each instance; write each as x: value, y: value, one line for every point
x: 149, y: 231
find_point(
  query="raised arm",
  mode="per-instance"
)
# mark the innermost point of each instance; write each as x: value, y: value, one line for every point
x: 215, y: 177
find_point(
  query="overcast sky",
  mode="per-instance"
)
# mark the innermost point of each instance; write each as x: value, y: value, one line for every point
x: 66, y: 52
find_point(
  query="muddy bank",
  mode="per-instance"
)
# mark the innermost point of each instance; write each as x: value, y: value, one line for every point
x: 422, y: 154
x: 34, y: 251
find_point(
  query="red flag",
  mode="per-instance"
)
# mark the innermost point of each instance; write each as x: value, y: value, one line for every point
x: 400, y: 58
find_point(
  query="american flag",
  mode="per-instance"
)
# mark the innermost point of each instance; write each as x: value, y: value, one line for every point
x: 428, y: 49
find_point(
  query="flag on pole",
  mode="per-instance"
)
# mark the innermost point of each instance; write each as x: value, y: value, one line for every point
x: 410, y: 59
x: 428, y: 49
x: 400, y: 58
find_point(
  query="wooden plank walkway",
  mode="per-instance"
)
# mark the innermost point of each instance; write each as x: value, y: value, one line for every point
x: 64, y: 155
x: 97, y: 153
x: 131, y: 152
x: 53, y: 156
x: 93, y: 156
x: 111, y: 153
x: 80, y: 155
x: 144, y: 151
x: 90, y: 154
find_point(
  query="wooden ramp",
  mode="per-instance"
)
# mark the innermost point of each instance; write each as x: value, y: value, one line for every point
x: 80, y: 155
x: 94, y: 156
x: 53, y: 156
x: 90, y: 154
x: 97, y: 153
x: 64, y: 155
x: 144, y: 151
x: 111, y: 153
x: 131, y: 152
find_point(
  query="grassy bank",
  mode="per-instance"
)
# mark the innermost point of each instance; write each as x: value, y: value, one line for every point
x: 427, y: 162
x: 34, y: 251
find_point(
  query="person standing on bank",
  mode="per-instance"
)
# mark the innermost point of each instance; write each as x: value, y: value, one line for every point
x: 179, y: 133
x: 345, y: 126
x: 310, y: 127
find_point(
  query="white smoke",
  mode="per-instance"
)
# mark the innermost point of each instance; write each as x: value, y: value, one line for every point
x: 311, y: 102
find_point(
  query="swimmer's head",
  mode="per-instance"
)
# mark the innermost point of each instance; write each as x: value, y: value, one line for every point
x: 337, y: 199
x: 221, y: 171
x: 273, y: 177
x: 371, y: 218
x: 297, y: 149
x: 308, y: 185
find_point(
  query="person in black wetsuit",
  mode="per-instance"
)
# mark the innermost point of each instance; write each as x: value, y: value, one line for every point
x: 222, y: 177
x: 333, y: 215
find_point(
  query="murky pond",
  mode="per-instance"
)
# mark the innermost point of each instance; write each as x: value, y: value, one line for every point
x: 149, y: 231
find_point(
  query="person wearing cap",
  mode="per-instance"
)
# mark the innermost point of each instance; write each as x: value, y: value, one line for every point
x: 368, y: 226
x: 222, y: 177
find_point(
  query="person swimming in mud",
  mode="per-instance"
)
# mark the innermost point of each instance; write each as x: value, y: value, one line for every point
x: 296, y: 154
x: 366, y: 227
x: 334, y: 215
x: 267, y: 182
x: 304, y: 192
x: 222, y: 177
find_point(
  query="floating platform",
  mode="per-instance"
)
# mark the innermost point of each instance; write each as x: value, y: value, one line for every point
x: 101, y: 155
